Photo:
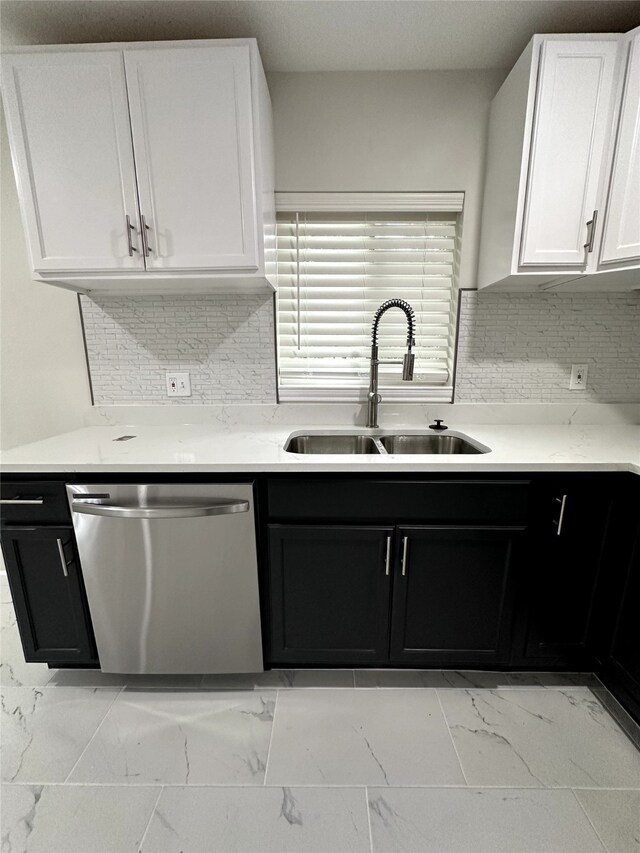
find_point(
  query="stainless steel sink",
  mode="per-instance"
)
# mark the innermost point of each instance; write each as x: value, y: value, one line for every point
x: 428, y: 444
x: 336, y: 443
x: 380, y: 444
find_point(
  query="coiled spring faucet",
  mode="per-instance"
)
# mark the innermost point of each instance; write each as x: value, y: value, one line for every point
x: 373, y: 397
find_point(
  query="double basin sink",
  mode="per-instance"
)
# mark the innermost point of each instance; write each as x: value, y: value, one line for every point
x: 365, y: 443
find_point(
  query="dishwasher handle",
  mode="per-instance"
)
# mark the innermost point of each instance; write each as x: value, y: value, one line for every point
x: 221, y: 507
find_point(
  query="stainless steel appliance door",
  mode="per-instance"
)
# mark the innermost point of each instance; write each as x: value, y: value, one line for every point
x: 171, y: 576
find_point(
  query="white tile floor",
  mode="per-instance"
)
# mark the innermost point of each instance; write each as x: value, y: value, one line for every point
x: 308, y: 761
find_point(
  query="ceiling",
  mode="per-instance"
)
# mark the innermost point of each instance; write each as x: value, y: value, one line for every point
x: 326, y: 35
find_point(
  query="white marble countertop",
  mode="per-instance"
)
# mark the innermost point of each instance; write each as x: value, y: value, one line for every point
x: 204, y: 448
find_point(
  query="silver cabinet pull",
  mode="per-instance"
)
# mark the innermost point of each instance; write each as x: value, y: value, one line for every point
x: 591, y: 231
x: 405, y: 545
x: 63, y: 559
x: 130, y: 228
x: 388, y: 557
x: 146, y: 248
x: 562, y: 501
x: 168, y: 511
x: 18, y: 501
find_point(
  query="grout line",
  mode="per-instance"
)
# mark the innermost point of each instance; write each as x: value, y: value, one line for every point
x: 273, y: 725
x: 153, y: 811
x: 353, y: 675
x: 586, y: 814
x: 453, y: 743
x: 98, y: 727
x: 366, y: 803
x: 310, y: 785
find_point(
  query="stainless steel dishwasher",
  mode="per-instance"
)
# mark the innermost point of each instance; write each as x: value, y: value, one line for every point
x: 171, y: 576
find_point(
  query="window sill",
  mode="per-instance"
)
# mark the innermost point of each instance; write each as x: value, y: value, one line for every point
x: 441, y: 394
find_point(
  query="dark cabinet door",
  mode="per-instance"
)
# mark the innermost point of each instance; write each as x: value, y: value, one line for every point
x: 329, y: 594
x: 48, y: 596
x: 625, y: 649
x: 620, y: 591
x: 452, y: 598
x: 558, y: 596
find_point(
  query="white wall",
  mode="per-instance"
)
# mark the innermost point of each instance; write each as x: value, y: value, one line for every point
x: 402, y: 130
x: 44, y: 387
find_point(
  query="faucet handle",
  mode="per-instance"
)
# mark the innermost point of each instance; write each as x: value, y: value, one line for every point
x: 438, y: 425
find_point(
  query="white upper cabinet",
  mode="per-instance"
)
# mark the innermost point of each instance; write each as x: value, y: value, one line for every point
x: 621, y: 238
x: 570, y: 131
x: 551, y: 142
x: 68, y: 122
x: 192, y: 134
x: 173, y: 138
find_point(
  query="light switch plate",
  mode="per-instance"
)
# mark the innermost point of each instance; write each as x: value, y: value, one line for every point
x: 178, y: 385
x: 578, y: 381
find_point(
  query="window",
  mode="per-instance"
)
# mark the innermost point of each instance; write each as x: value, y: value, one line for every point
x: 337, y: 265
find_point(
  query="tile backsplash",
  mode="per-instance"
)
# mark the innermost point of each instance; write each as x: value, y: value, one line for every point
x: 511, y: 348
x: 227, y: 343
x: 516, y: 347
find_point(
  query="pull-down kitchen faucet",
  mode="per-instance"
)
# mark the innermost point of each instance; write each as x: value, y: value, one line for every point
x: 373, y: 396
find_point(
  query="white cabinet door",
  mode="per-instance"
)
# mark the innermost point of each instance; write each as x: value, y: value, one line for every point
x: 68, y: 123
x: 193, y: 140
x: 621, y: 240
x: 571, y: 127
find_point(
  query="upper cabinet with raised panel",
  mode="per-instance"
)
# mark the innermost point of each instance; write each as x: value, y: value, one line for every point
x: 144, y: 167
x: 552, y: 141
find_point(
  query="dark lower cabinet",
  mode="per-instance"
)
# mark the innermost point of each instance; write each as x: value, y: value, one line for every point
x: 557, y: 596
x: 624, y: 654
x: 329, y: 594
x: 48, y: 595
x: 616, y: 635
x: 452, y: 595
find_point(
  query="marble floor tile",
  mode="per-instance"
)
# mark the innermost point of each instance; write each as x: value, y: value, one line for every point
x: 259, y: 820
x: 14, y: 672
x: 280, y: 678
x: 552, y: 679
x: 463, y: 820
x: 429, y: 678
x: 361, y: 737
x: 75, y: 818
x: 5, y: 591
x: 181, y: 737
x: 615, y: 816
x: 44, y: 731
x: 538, y: 737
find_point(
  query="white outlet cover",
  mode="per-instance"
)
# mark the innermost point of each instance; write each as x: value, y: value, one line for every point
x: 178, y: 385
x: 579, y: 373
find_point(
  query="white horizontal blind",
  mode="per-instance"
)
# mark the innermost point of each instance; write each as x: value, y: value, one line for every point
x: 334, y: 271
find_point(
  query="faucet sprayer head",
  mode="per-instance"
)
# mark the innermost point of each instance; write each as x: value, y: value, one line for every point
x: 407, y: 365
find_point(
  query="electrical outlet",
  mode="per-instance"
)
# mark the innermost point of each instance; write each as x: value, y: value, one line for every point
x: 178, y: 385
x: 578, y: 381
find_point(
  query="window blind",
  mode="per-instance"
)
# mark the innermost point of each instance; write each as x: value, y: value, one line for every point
x: 334, y: 271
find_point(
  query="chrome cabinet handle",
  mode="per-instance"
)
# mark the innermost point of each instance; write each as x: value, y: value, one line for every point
x: 22, y: 501
x: 146, y: 248
x: 562, y: 501
x: 130, y: 228
x: 405, y: 545
x: 591, y: 231
x: 168, y: 511
x: 388, y: 557
x: 63, y: 559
